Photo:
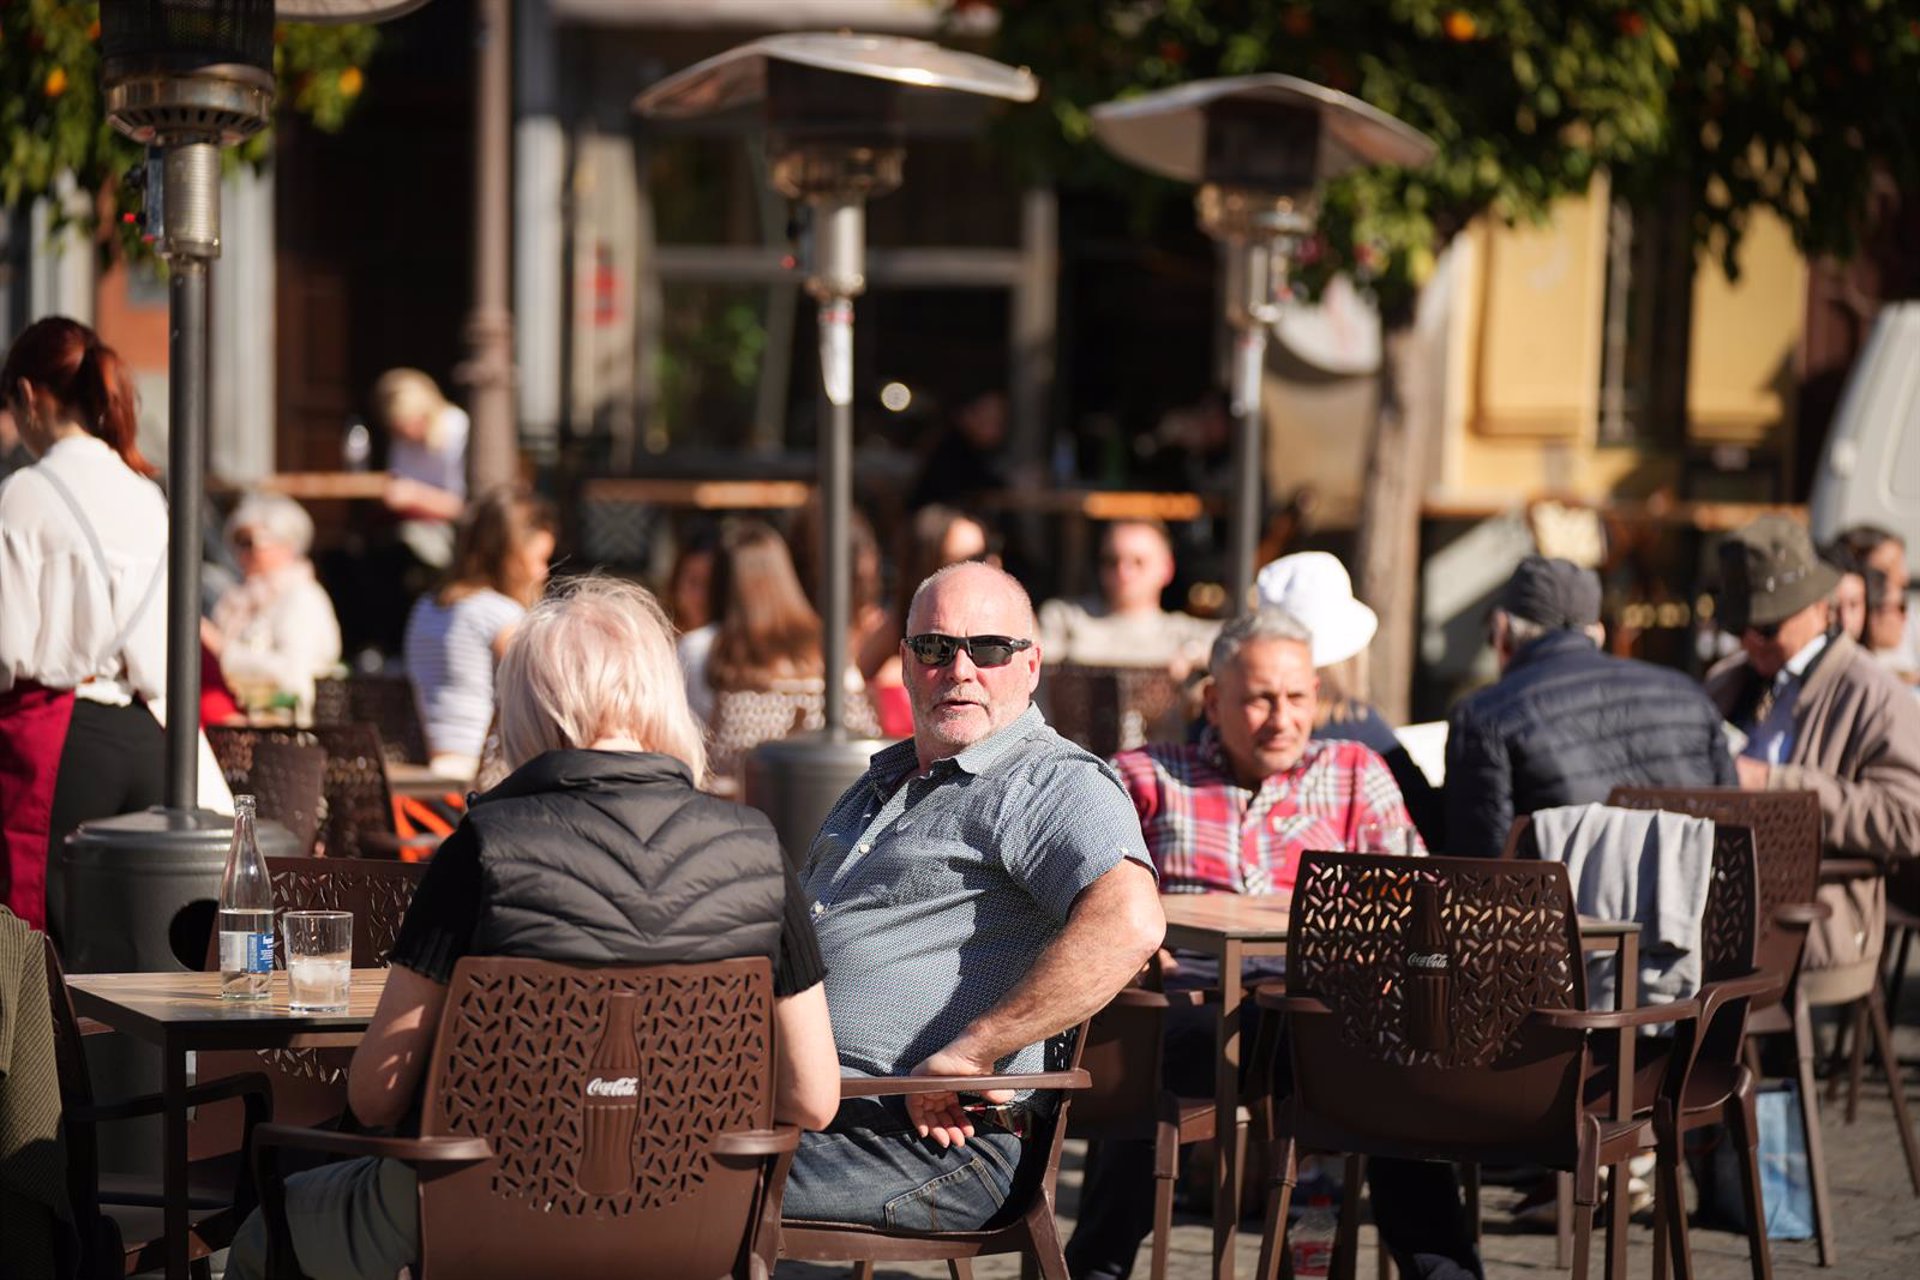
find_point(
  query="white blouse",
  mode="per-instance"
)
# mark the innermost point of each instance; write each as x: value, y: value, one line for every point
x: 58, y: 617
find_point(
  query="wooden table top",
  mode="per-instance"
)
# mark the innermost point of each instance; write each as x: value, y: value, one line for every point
x: 1263, y: 917
x: 419, y: 780
x: 157, y: 1006
x: 1243, y: 916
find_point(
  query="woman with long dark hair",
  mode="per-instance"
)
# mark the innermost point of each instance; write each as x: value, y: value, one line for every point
x: 83, y: 587
x: 456, y: 635
x: 763, y: 672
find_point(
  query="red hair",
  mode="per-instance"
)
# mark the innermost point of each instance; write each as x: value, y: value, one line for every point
x: 67, y: 360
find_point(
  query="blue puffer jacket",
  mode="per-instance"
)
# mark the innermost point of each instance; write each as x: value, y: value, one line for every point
x: 1565, y: 725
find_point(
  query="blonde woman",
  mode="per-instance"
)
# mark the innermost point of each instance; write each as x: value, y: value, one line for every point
x: 597, y: 848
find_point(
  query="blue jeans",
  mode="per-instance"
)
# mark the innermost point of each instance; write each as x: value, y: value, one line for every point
x: 871, y: 1169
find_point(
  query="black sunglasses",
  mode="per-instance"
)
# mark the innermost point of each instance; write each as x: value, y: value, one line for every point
x: 935, y: 650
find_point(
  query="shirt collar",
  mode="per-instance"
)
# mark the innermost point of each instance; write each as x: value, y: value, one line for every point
x: 895, y: 762
x: 1797, y: 665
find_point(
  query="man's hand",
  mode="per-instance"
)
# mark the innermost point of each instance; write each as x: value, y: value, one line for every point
x: 1753, y: 773
x: 938, y: 1115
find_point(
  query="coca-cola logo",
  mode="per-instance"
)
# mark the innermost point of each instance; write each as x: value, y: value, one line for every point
x: 1427, y: 960
x: 618, y: 1087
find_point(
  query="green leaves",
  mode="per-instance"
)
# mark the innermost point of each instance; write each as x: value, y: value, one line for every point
x: 52, y: 112
x: 1790, y: 105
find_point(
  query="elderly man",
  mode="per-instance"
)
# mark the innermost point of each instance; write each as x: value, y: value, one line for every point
x: 1820, y: 715
x: 981, y: 889
x: 1125, y: 626
x: 1567, y: 723
x: 1233, y: 813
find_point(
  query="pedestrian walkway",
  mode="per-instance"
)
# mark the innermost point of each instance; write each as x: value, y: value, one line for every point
x: 1876, y: 1211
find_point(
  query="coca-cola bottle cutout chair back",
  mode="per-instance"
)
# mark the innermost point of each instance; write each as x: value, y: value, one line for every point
x: 1436, y: 1010
x: 591, y: 1121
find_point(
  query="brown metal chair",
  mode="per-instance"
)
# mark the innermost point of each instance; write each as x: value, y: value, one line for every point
x: 1026, y: 1225
x: 744, y: 718
x: 388, y: 703
x: 1487, y: 1058
x: 359, y: 817
x: 671, y: 1168
x: 1705, y: 1055
x: 1108, y: 710
x: 289, y: 779
x: 120, y: 1223
x: 1127, y: 1099
x: 1786, y: 828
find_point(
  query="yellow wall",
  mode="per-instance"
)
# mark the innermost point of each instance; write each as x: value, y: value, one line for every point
x: 1524, y: 364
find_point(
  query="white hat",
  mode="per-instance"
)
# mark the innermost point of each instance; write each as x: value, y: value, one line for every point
x: 1314, y: 587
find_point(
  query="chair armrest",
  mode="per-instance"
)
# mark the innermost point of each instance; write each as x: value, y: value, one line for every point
x: 251, y: 1085
x: 1274, y: 996
x: 1801, y: 914
x: 429, y: 1151
x: 756, y: 1143
x: 889, y: 1086
x: 1142, y: 998
x: 1840, y: 870
x: 1749, y: 985
x: 1650, y: 1015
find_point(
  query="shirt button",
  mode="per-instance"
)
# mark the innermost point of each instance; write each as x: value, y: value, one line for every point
x: 819, y: 909
x: 862, y: 848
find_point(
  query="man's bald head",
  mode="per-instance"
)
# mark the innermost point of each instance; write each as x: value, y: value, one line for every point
x: 984, y: 582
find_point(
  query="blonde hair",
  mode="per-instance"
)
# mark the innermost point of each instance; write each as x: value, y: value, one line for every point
x: 406, y: 393
x: 1344, y: 691
x: 593, y: 660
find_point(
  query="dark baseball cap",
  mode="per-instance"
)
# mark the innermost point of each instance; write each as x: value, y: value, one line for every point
x: 1557, y: 594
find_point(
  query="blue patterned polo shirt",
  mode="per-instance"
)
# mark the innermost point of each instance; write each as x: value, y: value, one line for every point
x: 934, y: 895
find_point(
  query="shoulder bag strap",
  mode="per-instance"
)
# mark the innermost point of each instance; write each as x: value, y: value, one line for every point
x: 100, y: 560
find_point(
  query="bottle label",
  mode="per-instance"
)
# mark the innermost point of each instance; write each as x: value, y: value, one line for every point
x: 1428, y: 960
x: 246, y: 952
x: 617, y: 1087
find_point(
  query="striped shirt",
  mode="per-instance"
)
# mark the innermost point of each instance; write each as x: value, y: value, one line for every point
x: 449, y: 652
x: 1207, y: 833
x: 935, y: 894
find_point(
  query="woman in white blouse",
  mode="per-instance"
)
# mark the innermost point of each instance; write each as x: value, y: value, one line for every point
x: 83, y: 586
x: 275, y: 631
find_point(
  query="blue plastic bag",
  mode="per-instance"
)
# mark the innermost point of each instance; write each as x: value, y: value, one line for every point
x: 1786, y: 1183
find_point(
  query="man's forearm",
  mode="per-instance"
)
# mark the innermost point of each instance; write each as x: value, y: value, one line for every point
x: 1114, y: 928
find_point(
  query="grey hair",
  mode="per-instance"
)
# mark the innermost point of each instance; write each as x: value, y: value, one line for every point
x: 1251, y: 628
x: 595, y: 659
x: 279, y: 517
x: 1011, y: 583
x: 1522, y: 631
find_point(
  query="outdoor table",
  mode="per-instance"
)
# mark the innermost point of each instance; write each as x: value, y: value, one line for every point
x: 183, y: 1013
x: 419, y: 782
x: 1235, y: 928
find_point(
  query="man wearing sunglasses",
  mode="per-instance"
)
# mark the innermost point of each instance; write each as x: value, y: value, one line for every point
x: 981, y: 889
x: 1820, y: 715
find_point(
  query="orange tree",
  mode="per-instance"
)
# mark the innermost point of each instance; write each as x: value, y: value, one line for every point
x: 52, y: 121
x: 1797, y: 106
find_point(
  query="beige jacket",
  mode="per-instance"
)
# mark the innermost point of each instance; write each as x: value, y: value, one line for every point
x: 1856, y: 744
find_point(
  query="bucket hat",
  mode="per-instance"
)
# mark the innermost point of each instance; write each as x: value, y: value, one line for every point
x: 1314, y: 587
x: 1769, y: 572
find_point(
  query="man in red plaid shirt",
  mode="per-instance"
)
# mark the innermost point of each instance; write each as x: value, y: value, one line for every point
x: 1232, y: 814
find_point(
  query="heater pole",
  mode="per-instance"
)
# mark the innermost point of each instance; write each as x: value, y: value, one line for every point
x: 189, y: 240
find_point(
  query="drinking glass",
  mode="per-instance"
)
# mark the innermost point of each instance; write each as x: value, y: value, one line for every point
x: 319, y: 959
x: 1394, y: 838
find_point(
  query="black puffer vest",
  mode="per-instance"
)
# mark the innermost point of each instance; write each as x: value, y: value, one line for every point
x: 613, y: 856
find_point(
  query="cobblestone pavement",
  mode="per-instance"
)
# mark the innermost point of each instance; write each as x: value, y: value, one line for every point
x: 1877, y: 1215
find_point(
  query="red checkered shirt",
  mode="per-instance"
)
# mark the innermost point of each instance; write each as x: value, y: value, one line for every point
x: 1205, y: 832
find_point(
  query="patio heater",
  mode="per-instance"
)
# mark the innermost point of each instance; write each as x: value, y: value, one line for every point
x: 1260, y: 147
x: 836, y: 108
